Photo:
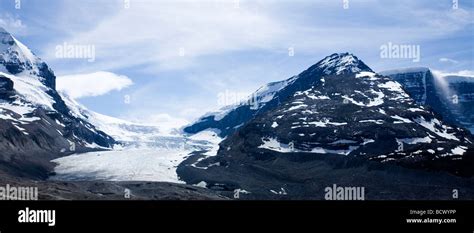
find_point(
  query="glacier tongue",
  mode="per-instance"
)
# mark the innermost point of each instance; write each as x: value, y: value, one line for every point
x: 140, y: 161
x: 145, y: 153
x: 122, y: 165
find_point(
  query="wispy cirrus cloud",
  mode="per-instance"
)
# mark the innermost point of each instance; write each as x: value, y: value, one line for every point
x: 163, y: 34
x: 465, y: 73
x: 172, y: 34
x: 448, y: 60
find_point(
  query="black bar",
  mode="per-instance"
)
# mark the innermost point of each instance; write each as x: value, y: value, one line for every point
x: 87, y: 216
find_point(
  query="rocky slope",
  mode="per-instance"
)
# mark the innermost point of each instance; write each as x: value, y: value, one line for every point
x: 449, y: 95
x: 338, y: 113
x: 35, y: 123
x: 103, y: 190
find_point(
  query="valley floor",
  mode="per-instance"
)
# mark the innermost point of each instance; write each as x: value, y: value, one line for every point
x: 109, y: 190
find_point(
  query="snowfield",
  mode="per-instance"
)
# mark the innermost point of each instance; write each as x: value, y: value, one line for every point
x: 31, y: 93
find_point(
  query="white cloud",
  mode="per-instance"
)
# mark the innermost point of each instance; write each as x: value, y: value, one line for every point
x: 165, y: 122
x: 151, y: 33
x: 12, y: 24
x: 468, y: 73
x: 448, y: 60
x: 93, y: 84
x: 465, y: 73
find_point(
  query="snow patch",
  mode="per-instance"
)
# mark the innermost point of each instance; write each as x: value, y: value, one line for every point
x: 403, y: 120
x: 370, y: 75
x: 325, y: 123
x: 431, y: 125
x: 458, y: 151
x: 274, y: 145
x: 415, y: 140
x: 378, y: 122
x: 274, y: 124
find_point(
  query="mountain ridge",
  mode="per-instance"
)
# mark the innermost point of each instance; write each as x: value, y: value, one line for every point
x: 229, y: 118
x: 36, y: 123
x: 449, y: 95
x: 353, y: 119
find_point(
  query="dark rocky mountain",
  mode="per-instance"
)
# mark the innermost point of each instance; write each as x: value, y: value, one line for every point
x: 228, y: 119
x: 35, y: 123
x: 337, y: 118
x: 451, y: 96
x: 38, y: 125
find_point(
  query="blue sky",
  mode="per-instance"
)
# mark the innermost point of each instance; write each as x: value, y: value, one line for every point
x: 180, y: 55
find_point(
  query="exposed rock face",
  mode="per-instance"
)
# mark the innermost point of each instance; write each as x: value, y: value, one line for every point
x: 35, y: 123
x: 230, y: 118
x: 450, y: 96
x: 6, y: 88
x: 345, y: 112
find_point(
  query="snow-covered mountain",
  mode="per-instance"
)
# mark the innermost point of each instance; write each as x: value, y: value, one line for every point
x: 449, y: 95
x: 16, y: 58
x: 121, y: 130
x: 230, y: 118
x: 338, y: 107
x: 35, y: 122
x: 40, y: 125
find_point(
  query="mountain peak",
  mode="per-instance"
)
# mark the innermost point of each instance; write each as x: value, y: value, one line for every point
x: 3, y: 31
x: 341, y: 63
x: 6, y: 39
x: 17, y: 58
x: 13, y: 51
